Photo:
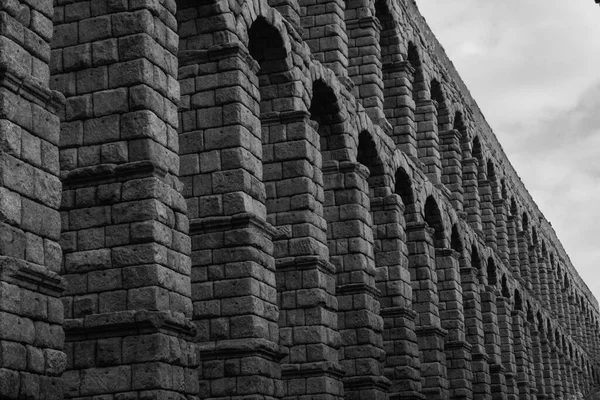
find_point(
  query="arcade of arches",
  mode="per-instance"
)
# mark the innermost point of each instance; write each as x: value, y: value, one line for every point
x: 266, y: 199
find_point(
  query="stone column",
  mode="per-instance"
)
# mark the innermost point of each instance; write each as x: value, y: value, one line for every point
x: 493, y: 342
x: 364, y: 54
x: 324, y: 31
x: 544, y: 274
x: 529, y: 327
x: 429, y: 331
x: 32, y: 354
x: 553, y: 285
x: 428, y: 140
x: 233, y: 269
x: 475, y: 333
x: 505, y: 307
x: 471, y: 194
x: 502, y: 241
x: 305, y: 278
x: 488, y: 218
x: 399, y: 105
x: 351, y: 250
x: 452, y: 175
x: 523, y: 246
x: 521, y: 357
x: 538, y: 362
x: 457, y: 349
x: 513, y: 247
x: 555, y: 359
x: 549, y: 377
x: 535, y: 273
x: 402, y: 364
x: 125, y: 225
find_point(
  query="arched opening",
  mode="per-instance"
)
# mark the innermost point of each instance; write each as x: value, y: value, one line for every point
x: 525, y: 222
x: 491, y: 272
x: 403, y: 187
x: 505, y: 289
x: 433, y: 218
x: 455, y: 240
x: 475, y: 260
x: 443, y: 113
x: 518, y: 300
x: 414, y: 59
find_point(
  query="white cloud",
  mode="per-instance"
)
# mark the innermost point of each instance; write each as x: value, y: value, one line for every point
x: 534, y: 74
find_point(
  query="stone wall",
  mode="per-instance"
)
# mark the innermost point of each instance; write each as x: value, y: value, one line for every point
x: 283, y: 199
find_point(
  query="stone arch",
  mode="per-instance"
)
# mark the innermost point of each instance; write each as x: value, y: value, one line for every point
x: 436, y: 93
x: 491, y: 272
x: 456, y: 241
x: 518, y: 300
x: 414, y: 58
x: 505, y: 290
x: 433, y: 217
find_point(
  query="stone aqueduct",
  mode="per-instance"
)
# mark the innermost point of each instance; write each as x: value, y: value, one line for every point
x: 283, y: 199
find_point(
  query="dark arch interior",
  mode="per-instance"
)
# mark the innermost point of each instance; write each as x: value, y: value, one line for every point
x: 491, y: 272
x: 455, y: 240
x: 433, y: 218
x: 403, y: 187
x: 505, y: 290
x: 475, y: 260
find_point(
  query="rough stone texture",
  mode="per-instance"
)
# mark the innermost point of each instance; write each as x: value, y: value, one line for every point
x: 266, y: 200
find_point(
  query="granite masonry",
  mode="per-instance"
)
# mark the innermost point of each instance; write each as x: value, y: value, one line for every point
x: 282, y: 199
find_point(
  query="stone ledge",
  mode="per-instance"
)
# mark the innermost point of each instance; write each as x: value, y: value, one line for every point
x: 398, y: 312
x: 199, y: 226
x: 302, y: 263
x: 31, y: 89
x: 238, y: 348
x: 308, y: 370
x: 357, y: 288
x: 31, y: 276
x: 126, y: 323
x: 367, y: 382
x: 110, y: 173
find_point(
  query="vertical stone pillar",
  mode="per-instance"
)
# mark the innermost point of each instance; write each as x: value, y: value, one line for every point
x: 305, y: 278
x: 125, y: 228
x: 548, y: 374
x: 233, y: 269
x: 364, y: 54
x: 553, y: 284
x: 474, y: 328
x: 523, y: 246
x: 538, y: 362
x: 493, y: 342
x: 555, y: 360
x: 402, y: 364
x: 429, y: 332
x: 535, y: 273
x: 324, y: 31
x: 513, y: 247
x: 400, y: 106
x: 488, y: 218
x: 505, y: 307
x: 428, y: 140
x: 32, y: 356
x: 521, y: 357
x: 533, y: 388
x: 544, y: 276
x: 471, y: 194
x: 458, y: 350
x: 502, y: 241
x: 360, y: 322
x: 452, y: 175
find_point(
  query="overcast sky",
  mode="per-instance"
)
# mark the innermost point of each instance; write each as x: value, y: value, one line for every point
x: 533, y: 66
